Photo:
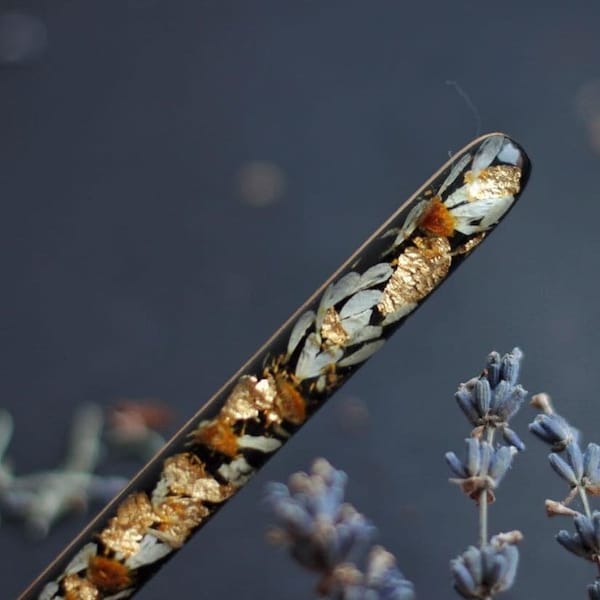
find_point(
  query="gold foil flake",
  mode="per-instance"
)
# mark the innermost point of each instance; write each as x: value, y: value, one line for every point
x: 185, y: 475
x: 77, y: 588
x: 420, y: 268
x: 332, y: 330
x: 241, y: 403
x: 249, y: 398
x: 108, y: 574
x: 494, y: 182
x: 217, y: 435
x: 266, y: 389
x: 178, y: 518
x: 470, y: 244
x: 125, y: 531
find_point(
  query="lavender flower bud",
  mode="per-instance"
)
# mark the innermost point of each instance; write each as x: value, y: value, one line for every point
x: 563, y: 469
x: 591, y: 464
x: 483, y: 468
x: 575, y: 459
x: 512, y: 439
x: 553, y: 430
x: 494, y: 397
x: 586, y: 542
x: 483, y: 573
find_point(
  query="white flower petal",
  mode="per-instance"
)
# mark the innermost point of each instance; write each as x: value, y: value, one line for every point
x: 456, y: 170
x: 150, y: 551
x: 459, y: 196
x: 370, y: 332
x: 484, y: 212
x: 312, y: 347
x: 343, y: 288
x: 302, y: 324
x: 399, y: 314
x: 510, y: 154
x: 320, y: 363
x: 410, y: 224
x: 360, y: 302
x: 375, y: 275
x: 487, y: 153
x: 237, y: 472
x: 49, y: 592
x: 336, y: 292
x: 352, y: 325
x: 80, y: 561
x: 321, y: 383
x: 362, y: 354
x: 259, y: 442
x: 312, y: 362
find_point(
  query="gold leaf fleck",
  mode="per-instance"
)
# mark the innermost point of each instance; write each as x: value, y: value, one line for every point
x: 185, y: 475
x: 332, y: 329
x: 494, y: 182
x: 266, y: 393
x: 108, y: 574
x: 249, y: 398
x: 178, y: 518
x: 241, y: 403
x: 470, y: 244
x: 126, y: 530
x: 78, y: 588
x: 420, y: 269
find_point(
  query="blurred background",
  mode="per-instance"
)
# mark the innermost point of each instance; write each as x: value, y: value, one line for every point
x: 177, y: 177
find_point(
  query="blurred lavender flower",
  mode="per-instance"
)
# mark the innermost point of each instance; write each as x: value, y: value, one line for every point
x: 324, y: 535
x: 594, y: 590
x: 381, y: 580
x: 42, y: 498
x: 494, y: 397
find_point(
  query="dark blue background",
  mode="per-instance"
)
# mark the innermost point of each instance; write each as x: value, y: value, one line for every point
x: 132, y: 266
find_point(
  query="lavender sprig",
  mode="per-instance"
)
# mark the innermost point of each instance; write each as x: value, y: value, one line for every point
x: 327, y: 536
x: 489, y: 402
x: 580, y: 469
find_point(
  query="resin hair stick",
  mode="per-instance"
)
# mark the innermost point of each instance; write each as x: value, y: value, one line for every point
x: 328, y: 338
